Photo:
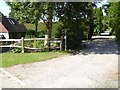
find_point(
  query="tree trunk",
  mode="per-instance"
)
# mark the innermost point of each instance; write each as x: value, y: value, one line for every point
x: 36, y: 25
x: 91, y: 30
x: 49, y: 27
x: 48, y: 34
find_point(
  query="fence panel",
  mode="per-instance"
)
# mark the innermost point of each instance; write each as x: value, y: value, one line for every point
x: 32, y: 44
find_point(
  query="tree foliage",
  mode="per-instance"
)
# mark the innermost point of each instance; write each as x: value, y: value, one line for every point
x: 73, y: 15
x: 26, y: 11
x: 112, y: 19
x: 77, y: 18
x: 98, y: 21
x: 33, y: 12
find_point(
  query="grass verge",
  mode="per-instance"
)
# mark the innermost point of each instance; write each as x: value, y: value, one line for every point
x: 11, y: 59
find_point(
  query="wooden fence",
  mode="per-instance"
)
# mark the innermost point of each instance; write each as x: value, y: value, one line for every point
x: 56, y: 40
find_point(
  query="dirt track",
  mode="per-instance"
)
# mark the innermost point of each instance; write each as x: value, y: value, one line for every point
x: 97, y: 66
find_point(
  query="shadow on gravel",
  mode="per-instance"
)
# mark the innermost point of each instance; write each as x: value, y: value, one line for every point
x: 100, y: 46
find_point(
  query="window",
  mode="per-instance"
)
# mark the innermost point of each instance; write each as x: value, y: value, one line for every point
x: 11, y: 21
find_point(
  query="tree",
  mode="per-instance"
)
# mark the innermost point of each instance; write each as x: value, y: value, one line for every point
x: 47, y: 17
x: 33, y: 12
x: 26, y: 11
x: 98, y: 21
x: 112, y: 19
x: 90, y: 19
x: 11, y: 14
x: 73, y: 17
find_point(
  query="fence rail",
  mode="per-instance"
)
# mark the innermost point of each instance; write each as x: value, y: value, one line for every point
x: 34, y: 39
x: 56, y: 40
x: 10, y: 39
x: 19, y: 47
x: 10, y: 46
x: 21, y: 39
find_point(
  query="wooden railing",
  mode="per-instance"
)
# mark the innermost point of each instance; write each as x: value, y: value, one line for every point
x: 22, y: 40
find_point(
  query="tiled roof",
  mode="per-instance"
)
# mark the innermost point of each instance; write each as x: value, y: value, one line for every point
x: 2, y: 28
x: 11, y: 25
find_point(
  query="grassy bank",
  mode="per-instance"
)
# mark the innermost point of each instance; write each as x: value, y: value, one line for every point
x: 11, y: 59
x: 42, y: 28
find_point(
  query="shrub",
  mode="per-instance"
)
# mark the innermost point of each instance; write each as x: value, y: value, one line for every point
x: 38, y: 44
x: 117, y: 33
x: 31, y: 31
x: 56, y: 30
x: 16, y: 50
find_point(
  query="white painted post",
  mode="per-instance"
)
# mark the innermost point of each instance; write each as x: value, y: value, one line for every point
x: 22, y: 45
x: 65, y: 37
x: 45, y: 42
x: 61, y: 44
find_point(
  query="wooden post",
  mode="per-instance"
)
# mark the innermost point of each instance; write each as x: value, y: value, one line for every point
x: 45, y: 42
x: 65, y: 37
x: 22, y: 45
x: 61, y: 44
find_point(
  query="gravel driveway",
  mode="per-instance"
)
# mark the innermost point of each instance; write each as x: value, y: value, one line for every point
x: 95, y: 67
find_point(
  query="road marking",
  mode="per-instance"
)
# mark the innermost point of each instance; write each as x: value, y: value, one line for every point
x: 12, y: 77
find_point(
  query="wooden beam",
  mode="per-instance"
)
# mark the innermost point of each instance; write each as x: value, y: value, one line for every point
x: 10, y: 46
x: 10, y: 39
x: 22, y: 45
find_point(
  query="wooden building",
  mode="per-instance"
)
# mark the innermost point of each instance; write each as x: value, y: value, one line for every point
x: 11, y: 29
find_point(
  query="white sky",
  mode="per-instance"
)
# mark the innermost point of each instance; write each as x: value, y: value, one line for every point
x: 104, y: 2
x: 4, y: 8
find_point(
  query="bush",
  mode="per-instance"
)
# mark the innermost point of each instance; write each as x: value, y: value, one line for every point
x: 16, y: 50
x: 40, y: 34
x: 34, y: 43
x: 56, y: 30
x: 38, y: 44
x: 74, y: 36
x: 33, y: 34
x: 31, y: 30
x: 30, y: 34
x: 117, y: 33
